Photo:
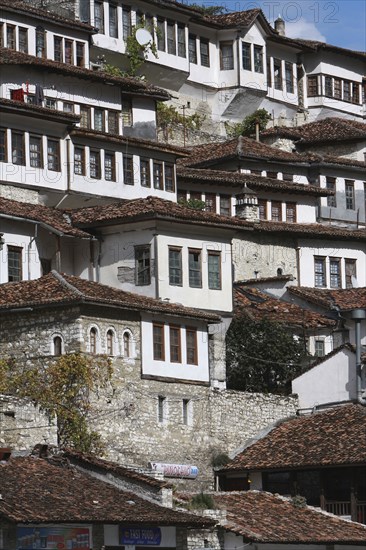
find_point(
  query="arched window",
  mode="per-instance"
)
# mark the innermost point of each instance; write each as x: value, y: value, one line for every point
x: 57, y: 345
x: 279, y: 272
x: 126, y: 345
x: 93, y: 340
x: 110, y: 342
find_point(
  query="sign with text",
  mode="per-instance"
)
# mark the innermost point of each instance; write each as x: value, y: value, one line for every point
x: 141, y: 536
x: 53, y: 538
x: 175, y: 470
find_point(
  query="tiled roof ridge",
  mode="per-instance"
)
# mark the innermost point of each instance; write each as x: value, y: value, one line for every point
x: 300, y: 134
x: 66, y: 284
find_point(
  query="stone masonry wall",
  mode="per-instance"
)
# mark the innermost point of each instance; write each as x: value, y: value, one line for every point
x: 126, y: 413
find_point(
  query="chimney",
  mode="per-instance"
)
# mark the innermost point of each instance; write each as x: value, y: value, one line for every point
x: 280, y: 26
x: 247, y: 205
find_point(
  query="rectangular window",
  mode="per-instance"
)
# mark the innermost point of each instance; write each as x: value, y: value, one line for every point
x: 94, y: 164
x: 246, y: 56
x: 158, y: 175
x: 175, y: 266
x: 319, y: 272
x: 225, y: 205
x: 58, y: 53
x: 192, y: 48
x: 205, y: 53
x: 312, y: 86
x: 291, y: 212
x: 142, y: 265
x: 175, y: 345
x: 277, y: 69
x: 99, y: 16
x: 331, y: 184
x: 50, y: 103
x: 335, y: 273
x: 53, y: 155
x: 79, y: 161
x: 84, y: 117
x: 160, y: 31
x: 276, y: 211
x: 128, y: 173
x: 40, y: 42
x: 270, y: 174
x: 10, y: 37
x: 346, y: 90
x: 145, y: 173
x: 262, y: 204
x: 127, y: 112
x: 210, y: 202
x: 14, y: 264
x: 195, y: 268
x: 113, y: 24
x: 319, y: 348
x: 185, y: 411
x: 69, y: 52
x: 126, y: 23
x: 158, y: 342
x: 113, y: 122
x: 214, y: 270
x: 80, y: 54
x: 172, y: 48
x: 328, y: 86
x: 161, y: 409
x: 99, y: 120
x: 23, y: 40
x: 258, y: 59
x: 35, y: 152
x: 350, y: 266
x: 67, y: 107
x: 181, y: 41
x: 3, y: 152
x: 287, y: 177
x: 338, y: 88
x: 355, y: 93
x: 350, y: 194
x: 17, y: 148
x: 169, y: 178
x: 289, y: 74
x: 109, y: 166
x: 226, y: 56
x: 191, y: 346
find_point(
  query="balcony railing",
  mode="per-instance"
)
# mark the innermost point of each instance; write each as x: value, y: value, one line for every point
x: 343, y: 508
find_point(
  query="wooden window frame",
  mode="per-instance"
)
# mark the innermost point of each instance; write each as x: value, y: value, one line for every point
x: 161, y: 34
x: 263, y: 209
x: 193, y: 331
x: 11, y: 29
x: 277, y: 79
x: 41, y: 43
x: 142, y: 265
x: 337, y: 274
x: 278, y: 205
x: 23, y: 40
x: 113, y: 122
x: 158, y: 176
x: 15, y: 272
x: 110, y: 169
x: 218, y: 274
x: 224, y: 59
x: 258, y: 67
x: 14, y: 137
x: 126, y: 22
x: 182, y: 47
x: 80, y: 54
x: 113, y: 20
x: 99, y: 17
x: 169, y: 179
x: 101, y: 113
x: 289, y: 77
x: 80, y: 162
x: 128, y: 171
x: 95, y: 164
x: 350, y: 196
x: 224, y: 197
x: 320, y: 273
x: 85, y: 116
x: 161, y: 343
x: 174, y: 270
x: 192, y: 271
x: 246, y: 56
x: 127, y: 113
x: 330, y: 183
x: 205, y: 56
x: 192, y: 48
x: 312, y: 86
x: 3, y: 145
x: 54, y: 155
x: 175, y: 350
x: 291, y: 207
x: 171, y: 38
x: 210, y: 202
x: 37, y: 161
x: 145, y: 174
x: 350, y: 262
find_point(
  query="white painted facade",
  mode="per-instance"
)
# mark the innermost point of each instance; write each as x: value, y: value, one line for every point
x: 334, y: 379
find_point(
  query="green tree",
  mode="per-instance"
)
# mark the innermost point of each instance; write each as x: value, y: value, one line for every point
x: 262, y: 356
x: 248, y: 126
x: 62, y: 389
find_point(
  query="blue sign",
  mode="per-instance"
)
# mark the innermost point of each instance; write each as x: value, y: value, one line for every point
x: 141, y: 536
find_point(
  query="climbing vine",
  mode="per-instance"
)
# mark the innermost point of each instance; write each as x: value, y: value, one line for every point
x: 62, y: 389
x: 168, y: 118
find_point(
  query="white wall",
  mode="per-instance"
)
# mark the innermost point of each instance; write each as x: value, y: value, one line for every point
x: 332, y: 380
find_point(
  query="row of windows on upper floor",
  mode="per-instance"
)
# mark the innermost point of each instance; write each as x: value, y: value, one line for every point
x: 331, y: 269
x: 349, y: 190
x: 177, y: 257
x: 337, y: 88
x: 111, y: 346
x: 26, y: 149
x: 222, y: 204
x: 65, y: 50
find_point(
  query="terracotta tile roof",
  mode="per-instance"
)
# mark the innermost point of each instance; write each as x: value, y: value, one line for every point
x: 333, y: 437
x: 344, y: 299
x: 328, y: 129
x: 128, y: 85
x: 27, y: 9
x: 237, y: 18
x: 318, y: 46
x: 127, y: 140
x: 247, y: 148
x: 258, y: 280
x: 312, y: 229
x: 262, y: 517
x: 54, y: 220
x: 37, y: 491
x: 221, y: 177
x: 61, y: 289
x: 90, y: 461
x: 258, y: 305
x: 150, y: 208
x: 9, y: 105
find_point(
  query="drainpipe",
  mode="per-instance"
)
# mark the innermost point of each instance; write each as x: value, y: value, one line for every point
x: 359, y: 315
x: 29, y: 250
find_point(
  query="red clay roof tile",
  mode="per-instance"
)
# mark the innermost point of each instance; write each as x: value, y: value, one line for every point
x: 345, y: 299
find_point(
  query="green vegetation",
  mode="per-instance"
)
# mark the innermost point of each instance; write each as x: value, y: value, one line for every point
x: 196, y: 204
x: 201, y: 501
x: 62, y: 389
x: 247, y: 126
x: 168, y: 118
